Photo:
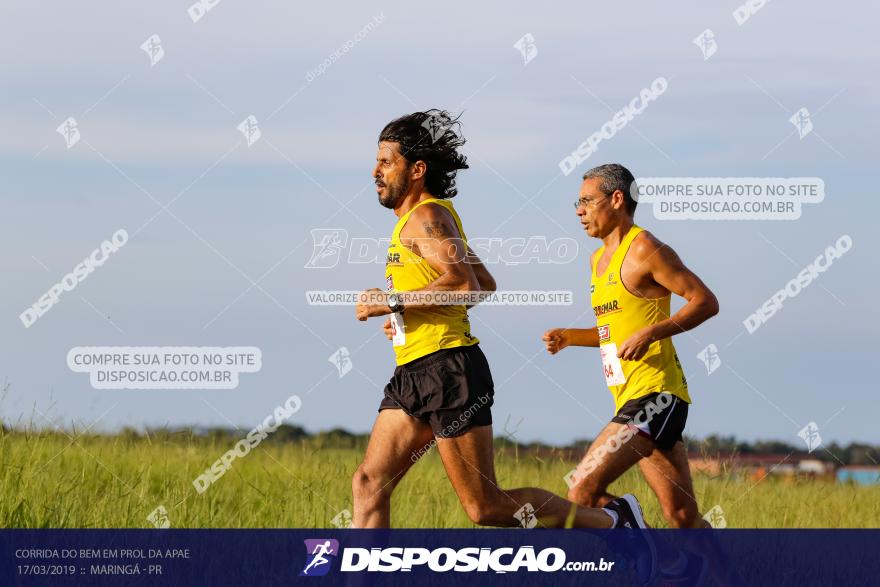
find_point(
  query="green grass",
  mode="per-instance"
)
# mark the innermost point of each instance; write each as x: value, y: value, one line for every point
x: 50, y: 480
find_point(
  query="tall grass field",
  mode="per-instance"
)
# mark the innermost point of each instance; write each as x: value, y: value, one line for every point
x: 61, y: 480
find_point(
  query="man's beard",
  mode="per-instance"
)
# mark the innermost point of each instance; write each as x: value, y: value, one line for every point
x: 395, y: 192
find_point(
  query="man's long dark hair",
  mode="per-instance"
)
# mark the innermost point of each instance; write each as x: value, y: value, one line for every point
x: 434, y: 137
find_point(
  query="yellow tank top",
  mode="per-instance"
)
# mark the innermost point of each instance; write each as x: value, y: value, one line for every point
x: 423, y: 331
x: 619, y: 314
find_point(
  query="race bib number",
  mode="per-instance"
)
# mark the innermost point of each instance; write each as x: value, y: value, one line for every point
x: 398, y: 334
x: 611, y: 365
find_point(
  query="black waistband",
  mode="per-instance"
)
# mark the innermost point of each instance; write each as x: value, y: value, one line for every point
x: 436, y: 356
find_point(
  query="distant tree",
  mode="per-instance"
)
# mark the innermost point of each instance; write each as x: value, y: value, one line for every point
x: 288, y: 433
x: 863, y: 454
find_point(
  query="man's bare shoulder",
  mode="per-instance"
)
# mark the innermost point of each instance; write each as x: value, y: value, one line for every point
x: 433, y: 221
x: 645, y: 246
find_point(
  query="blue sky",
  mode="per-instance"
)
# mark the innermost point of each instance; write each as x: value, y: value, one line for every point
x: 168, y: 133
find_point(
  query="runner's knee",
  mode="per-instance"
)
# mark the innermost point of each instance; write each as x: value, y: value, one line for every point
x: 367, y: 486
x: 587, y: 493
x: 483, y: 514
x: 489, y: 508
x: 682, y: 516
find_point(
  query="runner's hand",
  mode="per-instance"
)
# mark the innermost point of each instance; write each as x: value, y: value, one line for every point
x: 635, y: 347
x: 555, y: 339
x: 367, y: 306
x: 387, y: 328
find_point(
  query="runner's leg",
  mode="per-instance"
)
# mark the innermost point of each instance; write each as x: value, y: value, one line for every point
x: 614, y: 451
x: 396, y: 442
x: 469, y: 463
x: 669, y: 476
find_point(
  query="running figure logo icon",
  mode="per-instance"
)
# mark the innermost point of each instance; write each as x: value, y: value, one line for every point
x: 250, y: 128
x: 716, y: 518
x: 153, y: 48
x: 526, y: 47
x: 327, y: 246
x: 526, y: 516
x: 342, y: 359
x: 810, y: 435
x: 435, y: 127
x: 707, y: 44
x: 318, y: 550
x: 69, y: 129
x: 802, y: 122
x: 710, y: 358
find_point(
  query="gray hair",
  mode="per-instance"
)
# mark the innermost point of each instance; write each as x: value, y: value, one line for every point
x: 615, y: 177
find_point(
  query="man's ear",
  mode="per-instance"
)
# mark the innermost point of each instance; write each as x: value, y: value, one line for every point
x: 418, y: 170
x: 618, y: 200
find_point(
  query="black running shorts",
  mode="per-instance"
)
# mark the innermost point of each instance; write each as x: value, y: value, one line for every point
x: 660, y: 417
x: 451, y: 390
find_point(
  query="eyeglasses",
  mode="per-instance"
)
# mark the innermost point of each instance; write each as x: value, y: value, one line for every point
x: 587, y: 202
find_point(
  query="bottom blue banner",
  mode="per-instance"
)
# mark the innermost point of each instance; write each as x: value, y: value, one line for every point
x: 364, y: 557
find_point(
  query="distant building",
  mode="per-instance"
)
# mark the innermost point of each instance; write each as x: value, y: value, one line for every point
x: 761, y: 465
x: 860, y: 475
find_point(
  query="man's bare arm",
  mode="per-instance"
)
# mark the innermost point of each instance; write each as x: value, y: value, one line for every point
x: 432, y: 233
x: 667, y: 270
x: 557, y: 339
x: 485, y: 279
